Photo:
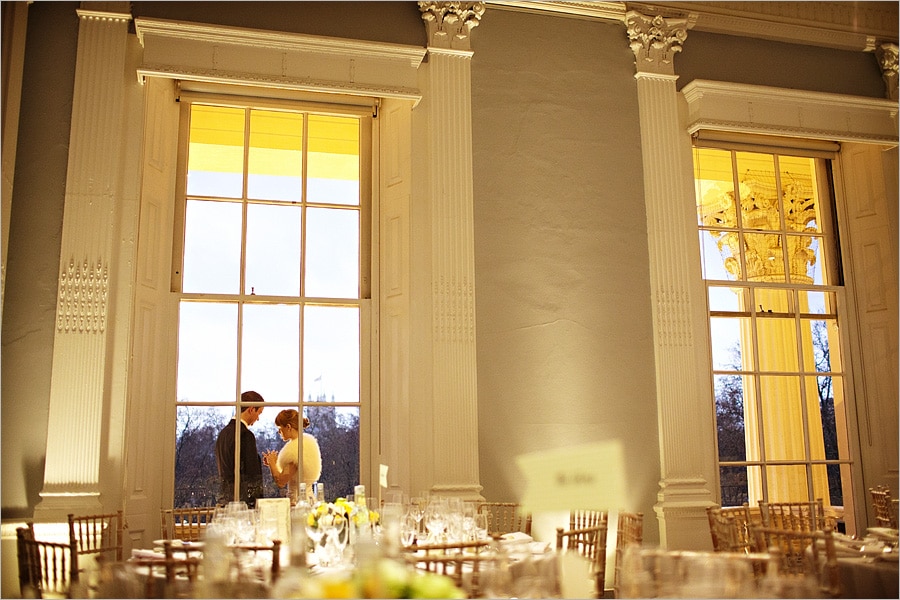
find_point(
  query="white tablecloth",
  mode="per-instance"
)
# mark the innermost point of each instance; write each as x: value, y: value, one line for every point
x: 869, y: 578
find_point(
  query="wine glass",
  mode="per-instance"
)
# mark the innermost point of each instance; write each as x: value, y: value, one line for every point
x: 409, y: 526
x: 481, y: 526
x: 435, y: 520
x: 417, y: 509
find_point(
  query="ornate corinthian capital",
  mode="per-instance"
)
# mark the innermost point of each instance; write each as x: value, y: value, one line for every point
x: 449, y: 23
x: 654, y: 41
x: 887, y: 60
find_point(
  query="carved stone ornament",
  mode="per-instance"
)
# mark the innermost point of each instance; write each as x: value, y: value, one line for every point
x: 887, y: 60
x: 83, y: 298
x: 449, y: 24
x: 654, y: 41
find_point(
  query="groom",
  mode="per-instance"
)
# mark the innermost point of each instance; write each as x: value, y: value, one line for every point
x: 251, y: 466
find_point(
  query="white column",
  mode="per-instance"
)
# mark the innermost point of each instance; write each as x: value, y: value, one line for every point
x: 79, y: 388
x: 449, y: 151
x: 687, y: 449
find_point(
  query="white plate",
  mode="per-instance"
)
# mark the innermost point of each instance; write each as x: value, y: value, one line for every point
x: 884, y: 533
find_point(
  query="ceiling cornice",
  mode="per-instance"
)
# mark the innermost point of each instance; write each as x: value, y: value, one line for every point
x: 859, y: 26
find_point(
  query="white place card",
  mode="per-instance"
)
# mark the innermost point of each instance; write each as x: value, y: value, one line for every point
x: 589, y: 476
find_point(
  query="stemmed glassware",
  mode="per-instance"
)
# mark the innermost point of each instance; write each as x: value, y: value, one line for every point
x: 436, y: 519
x: 417, y: 509
x: 409, y: 527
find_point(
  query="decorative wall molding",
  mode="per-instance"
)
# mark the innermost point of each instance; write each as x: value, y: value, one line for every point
x: 792, y: 113
x: 83, y: 297
x: 213, y: 53
x: 887, y: 60
x: 858, y: 26
x: 448, y: 24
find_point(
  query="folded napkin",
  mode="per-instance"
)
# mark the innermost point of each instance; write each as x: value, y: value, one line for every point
x: 141, y: 553
x: 539, y: 547
x: 515, y: 536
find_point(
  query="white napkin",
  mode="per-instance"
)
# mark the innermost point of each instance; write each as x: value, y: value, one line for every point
x: 515, y: 536
x: 141, y: 553
x: 539, y: 547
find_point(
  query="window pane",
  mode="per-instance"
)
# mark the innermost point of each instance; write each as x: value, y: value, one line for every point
x: 799, y: 193
x: 216, y: 154
x: 804, y: 258
x: 759, y: 197
x: 822, y: 391
x: 816, y: 347
x: 787, y: 483
x: 270, y: 351
x: 336, y: 428
x: 772, y: 300
x: 733, y: 483
x: 817, y: 303
x: 728, y: 352
x: 730, y: 417
x: 273, y: 250
x: 333, y: 162
x: 331, y: 353
x: 212, y: 247
x: 777, y: 344
x: 332, y: 253
x: 720, y: 257
x: 275, y: 161
x: 727, y: 299
x: 782, y: 414
x: 714, y: 185
x: 207, y: 352
x: 762, y: 253
x: 196, y: 472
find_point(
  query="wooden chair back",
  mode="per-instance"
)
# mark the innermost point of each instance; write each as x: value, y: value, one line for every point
x: 245, y: 553
x: 730, y: 529
x: 579, y: 519
x: 629, y: 532
x: 98, y: 534
x: 467, y: 571
x: 450, y: 548
x: 883, y: 506
x: 795, y: 516
x: 807, y: 555
x: 505, y: 517
x: 589, y: 542
x: 177, y: 573
x: 187, y: 524
x: 660, y: 573
x: 46, y: 569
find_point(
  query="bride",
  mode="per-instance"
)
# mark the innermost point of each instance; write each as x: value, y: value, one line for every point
x: 283, y: 463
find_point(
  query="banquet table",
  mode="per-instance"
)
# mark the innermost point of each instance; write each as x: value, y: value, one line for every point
x: 865, y: 577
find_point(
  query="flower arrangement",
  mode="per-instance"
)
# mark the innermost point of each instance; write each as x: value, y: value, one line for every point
x: 383, y: 578
x: 340, y: 509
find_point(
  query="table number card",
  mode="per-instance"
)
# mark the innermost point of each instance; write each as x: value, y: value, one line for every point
x: 577, y: 477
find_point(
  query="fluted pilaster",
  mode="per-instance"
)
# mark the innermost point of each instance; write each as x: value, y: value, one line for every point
x: 674, y: 270
x: 449, y: 119
x: 78, y: 387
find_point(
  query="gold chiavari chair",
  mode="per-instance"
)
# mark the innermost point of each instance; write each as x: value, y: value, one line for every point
x: 883, y: 506
x: 727, y: 532
x: 450, y: 548
x: 187, y: 524
x: 659, y: 573
x: 46, y: 569
x: 245, y: 553
x: 589, y: 542
x: 178, y: 574
x: 803, y: 555
x: 796, y: 516
x: 579, y: 519
x: 629, y: 532
x: 505, y: 517
x: 98, y: 534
